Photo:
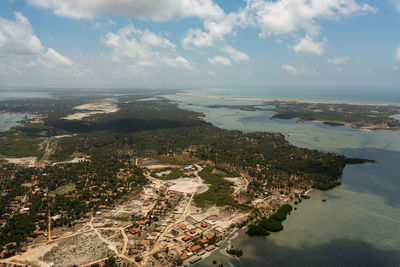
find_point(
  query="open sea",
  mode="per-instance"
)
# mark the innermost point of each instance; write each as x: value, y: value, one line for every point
x: 359, y: 224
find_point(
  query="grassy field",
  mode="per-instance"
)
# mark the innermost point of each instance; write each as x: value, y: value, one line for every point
x: 20, y: 146
x: 172, y: 175
x: 219, y: 193
x: 64, y: 189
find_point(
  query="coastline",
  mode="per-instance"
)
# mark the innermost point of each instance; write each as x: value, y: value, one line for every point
x: 226, y: 243
x: 306, y: 101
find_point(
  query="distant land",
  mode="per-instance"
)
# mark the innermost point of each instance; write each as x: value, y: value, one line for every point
x: 360, y: 116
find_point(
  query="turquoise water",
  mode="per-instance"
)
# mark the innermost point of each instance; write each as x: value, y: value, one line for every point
x: 8, y: 120
x: 341, y: 95
x: 13, y: 94
x: 358, y: 225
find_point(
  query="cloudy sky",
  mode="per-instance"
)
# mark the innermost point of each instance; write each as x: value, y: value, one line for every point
x: 200, y: 43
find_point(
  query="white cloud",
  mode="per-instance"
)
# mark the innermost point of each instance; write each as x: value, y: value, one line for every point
x: 22, y: 51
x: 152, y: 39
x: 17, y: 37
x: 307, y: 45
x: 338, y: 60
x: 297, y: 71
x: 57, y: 59
x: 396, y: 3
x: 290, y: 69
x: 397, y: 54
x: 159, y: 10
x: 288, y: 16
x: 145, y: 48
x: 279, y: 17
x: 218, y: 60
x: 235, y: 54
x: 270, y: 17
x: 216, y: 29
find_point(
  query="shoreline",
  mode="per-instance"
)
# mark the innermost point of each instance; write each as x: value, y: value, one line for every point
x: 222, y: 249
x: 268, y: 99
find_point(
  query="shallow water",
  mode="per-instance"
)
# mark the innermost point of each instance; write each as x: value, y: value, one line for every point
x: 8, y: 120
x: 18, y: 94
x: 358, y: 225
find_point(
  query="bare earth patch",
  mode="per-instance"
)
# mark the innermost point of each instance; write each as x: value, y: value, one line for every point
x: 26, y: 161
x: 104, y: 106
x: 189, y: 185
x: 76, y: 250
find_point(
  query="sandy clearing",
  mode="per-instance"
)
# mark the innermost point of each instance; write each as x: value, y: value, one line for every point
x: 29, y: 161
x: 164, y: 173
x: 239, y: 183
x: 105, y: 106
x: 188, y: 185
x: 74, y: 160
x: 33, y: 256
x: 158, y: 166
x: 63, y: 136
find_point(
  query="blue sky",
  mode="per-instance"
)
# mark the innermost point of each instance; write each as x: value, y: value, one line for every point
x: 200, y: 43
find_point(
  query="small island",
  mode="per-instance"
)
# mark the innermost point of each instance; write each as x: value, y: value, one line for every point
x: 359, y: 116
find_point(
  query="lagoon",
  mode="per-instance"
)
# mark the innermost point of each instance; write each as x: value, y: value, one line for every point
x: 358, y: 225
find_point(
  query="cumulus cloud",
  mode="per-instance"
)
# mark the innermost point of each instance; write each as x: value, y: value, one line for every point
x: 235, y: 54
x: 22, y: 50
x: 297, y: 71
x: 338, y: 60
x: 55, y: 57
x: 159, y: 10
x: 307, y: 45
x: 287, y: 16
x: 218, y: 60
x: 215, y: 30
x: 276, y: 17
x: 145, y: 48
x: 279, y: 17
x: 397, y: 54
x: 17, y: 37
x: 153, y: 39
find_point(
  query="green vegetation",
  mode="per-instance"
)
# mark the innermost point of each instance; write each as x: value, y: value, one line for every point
x: 357, y: 116
x: 235, y: 251
x: 333, y: 123
x: 20, y: 145
x: 263, y: 226
x: 271, y: 225
x: 256, y: 230
x: 219, y: 192
x: 64, y: 189
x: 328, y: 186
x: 172, y: 175
x: 282, y: 212
x: 154, y: 129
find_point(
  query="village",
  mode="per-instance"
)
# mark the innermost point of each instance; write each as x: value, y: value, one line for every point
x: 159, y: 226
